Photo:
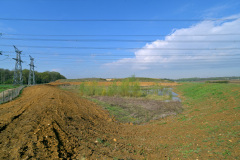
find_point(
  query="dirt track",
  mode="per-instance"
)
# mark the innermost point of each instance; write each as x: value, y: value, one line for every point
x: 48, y: 123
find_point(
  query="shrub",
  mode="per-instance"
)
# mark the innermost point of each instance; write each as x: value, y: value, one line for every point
x: 82, y: 89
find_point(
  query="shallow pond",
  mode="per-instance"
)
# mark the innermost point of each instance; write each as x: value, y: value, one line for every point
x: 162, y: 92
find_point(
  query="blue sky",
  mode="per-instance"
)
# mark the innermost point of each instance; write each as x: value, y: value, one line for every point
x: 170, y: 53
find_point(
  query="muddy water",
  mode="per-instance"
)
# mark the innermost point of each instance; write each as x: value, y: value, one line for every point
x: 175, y: 96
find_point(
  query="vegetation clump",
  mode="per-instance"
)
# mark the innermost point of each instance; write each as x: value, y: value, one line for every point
x: 126, y: 88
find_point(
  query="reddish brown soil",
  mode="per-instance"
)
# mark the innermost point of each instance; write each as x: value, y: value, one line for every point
x: 48, y: 123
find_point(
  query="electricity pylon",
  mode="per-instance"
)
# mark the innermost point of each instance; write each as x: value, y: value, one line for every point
x: 17, y: 78
x: 31, y: 78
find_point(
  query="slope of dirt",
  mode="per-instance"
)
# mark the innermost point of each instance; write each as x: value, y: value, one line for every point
x: 48, y: 123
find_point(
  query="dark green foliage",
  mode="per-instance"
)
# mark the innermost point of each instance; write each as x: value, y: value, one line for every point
x: 217, y: 82
x: 6, y: 76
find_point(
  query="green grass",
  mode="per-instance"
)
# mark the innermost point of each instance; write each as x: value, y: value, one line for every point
x: 205, y: 101
x: 196, y: 92
x: 6, y: 87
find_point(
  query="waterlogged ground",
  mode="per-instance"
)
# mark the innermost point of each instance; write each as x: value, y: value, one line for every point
x: 137, y: 110
x: 151, y: 103
x: 48, y: 123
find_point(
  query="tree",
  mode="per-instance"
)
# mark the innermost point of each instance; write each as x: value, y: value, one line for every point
x: 6, y: 76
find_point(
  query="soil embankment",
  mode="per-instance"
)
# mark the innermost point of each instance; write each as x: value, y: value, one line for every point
x: 49, y: 123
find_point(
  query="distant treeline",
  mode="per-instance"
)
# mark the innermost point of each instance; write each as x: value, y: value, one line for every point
x: 6, y: 76
x: 222, y: 81
x: 207, y: 79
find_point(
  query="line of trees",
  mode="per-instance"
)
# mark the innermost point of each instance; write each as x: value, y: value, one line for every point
x: 6, y: 76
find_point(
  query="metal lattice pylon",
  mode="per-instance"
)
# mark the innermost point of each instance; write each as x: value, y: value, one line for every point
x: 31, y: 78
x: 17, y: 78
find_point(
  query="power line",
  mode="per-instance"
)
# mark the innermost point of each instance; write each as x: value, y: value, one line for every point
x: 127, y: 56
x: 7, y: 57
x: 142, y: 60
x: 118, y: 20
x: 147, y: 64
x: 118, y: 35
x: 120, y: 48
x: 181, y: 55
x: 121, y: 54
x: 122, y: 40
x: 90, y: 62
x: 76, y: 55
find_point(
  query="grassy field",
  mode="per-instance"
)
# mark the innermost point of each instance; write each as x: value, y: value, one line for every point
x: 212, y: 115
x: 6, y: 87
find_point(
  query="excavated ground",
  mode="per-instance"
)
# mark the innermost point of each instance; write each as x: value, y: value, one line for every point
x: 48, y: 123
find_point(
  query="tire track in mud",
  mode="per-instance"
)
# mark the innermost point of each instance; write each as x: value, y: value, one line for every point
x: 15, y: 117
x: 14, y: 107
x: 62, y: 151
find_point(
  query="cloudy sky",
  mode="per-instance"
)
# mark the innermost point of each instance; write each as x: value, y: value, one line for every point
x: 105, y: 39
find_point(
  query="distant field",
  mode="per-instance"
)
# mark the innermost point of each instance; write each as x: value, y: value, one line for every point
x: 140, y: 79
x: 235, y: 81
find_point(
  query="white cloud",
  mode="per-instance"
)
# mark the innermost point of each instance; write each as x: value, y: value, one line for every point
x: 172, y: 53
